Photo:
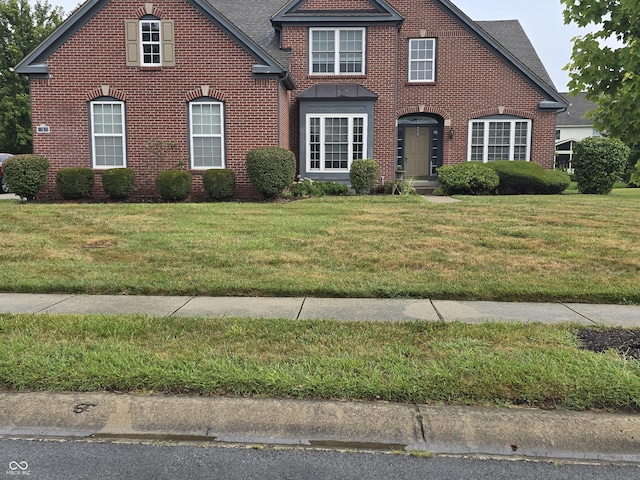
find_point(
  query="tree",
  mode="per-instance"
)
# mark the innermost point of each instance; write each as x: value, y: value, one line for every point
x: 22, y: 28
x: 610, y: 76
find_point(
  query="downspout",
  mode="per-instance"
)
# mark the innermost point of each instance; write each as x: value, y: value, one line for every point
x: 395, y: 104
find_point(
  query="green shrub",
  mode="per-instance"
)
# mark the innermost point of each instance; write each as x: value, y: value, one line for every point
x: 468, y: 178
x: 599, y: 162
x: 74, y: 183
x: 635, y: 176
x: 363, y: 175
x: 173, y: 185
x: 219, y: 184
x: 308, y: 187
x: 25, y: 175
x: 271, y: 170
x: 520, y: 178
x: 118, y: 183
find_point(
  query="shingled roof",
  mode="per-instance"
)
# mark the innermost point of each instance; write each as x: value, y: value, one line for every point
x: 574, y: 115
x: 512, y: 37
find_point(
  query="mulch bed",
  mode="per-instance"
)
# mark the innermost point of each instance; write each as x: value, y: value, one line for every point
x: 625, y: 341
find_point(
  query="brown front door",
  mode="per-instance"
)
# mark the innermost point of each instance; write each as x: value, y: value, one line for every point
x: 416, y: 151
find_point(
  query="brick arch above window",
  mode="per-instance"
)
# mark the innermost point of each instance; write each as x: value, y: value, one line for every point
x: 206, y: 91
x: 149, y: 9
x: 105, y: 91
x: 423, y: 109
x: 515, y: 112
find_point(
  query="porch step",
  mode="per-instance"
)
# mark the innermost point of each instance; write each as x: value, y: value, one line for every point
x: 425, y: 187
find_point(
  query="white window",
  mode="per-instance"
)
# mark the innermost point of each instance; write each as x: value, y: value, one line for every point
x: 334, y: 141
x: 206, y: 131
x: 108, y: 139
x: 422, y: 60
x: 493, y: 139
x: 337, y: 51
x: 150, y: 42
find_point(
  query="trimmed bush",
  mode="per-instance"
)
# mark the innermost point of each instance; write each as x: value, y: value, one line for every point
x: 219, y: 184
x: 635, y: 176
x: 173, y: 185
x: 307, y: 188
x: 363, y: 175
x: 528, y: 178
x: 468, y: 178
x: 118, y: 183
x: 271, y: 170
x: 74, y: 183
x: 25, y: 175
x: 598, y: 163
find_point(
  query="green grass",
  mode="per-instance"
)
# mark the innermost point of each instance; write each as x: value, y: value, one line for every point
x: 545, y: 248
x: 488, y: 364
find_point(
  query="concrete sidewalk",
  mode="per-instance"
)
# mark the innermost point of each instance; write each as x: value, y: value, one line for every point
x: 366, y: 425
x: 299, y: 308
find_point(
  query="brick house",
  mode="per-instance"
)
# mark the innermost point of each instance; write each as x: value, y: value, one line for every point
x: 410, y: 83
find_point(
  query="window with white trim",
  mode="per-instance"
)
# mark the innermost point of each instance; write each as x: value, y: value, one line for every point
x: 337, y: 51
x: 206, y: 134
x: 422, y: 60
x: 496, y: 139
x: 334, y: 141
x: 150, y: 43
x: 108, y: 138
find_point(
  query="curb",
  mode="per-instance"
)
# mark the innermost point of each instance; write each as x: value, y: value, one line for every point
x: 324, y: 424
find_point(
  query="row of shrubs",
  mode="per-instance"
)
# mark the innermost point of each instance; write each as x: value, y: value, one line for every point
x: 501, y: 177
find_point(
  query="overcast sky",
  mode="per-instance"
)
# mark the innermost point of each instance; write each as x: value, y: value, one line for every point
x: 541, y: 19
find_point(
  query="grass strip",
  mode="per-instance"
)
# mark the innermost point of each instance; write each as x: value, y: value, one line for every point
x: 454, y: 363
x: 572, y: 248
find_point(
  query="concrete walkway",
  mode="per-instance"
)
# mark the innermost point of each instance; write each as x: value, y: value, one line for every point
x: 514, y: 432
x: 300, y: 308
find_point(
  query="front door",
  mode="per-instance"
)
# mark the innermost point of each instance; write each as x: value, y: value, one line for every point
x: 417, y: 140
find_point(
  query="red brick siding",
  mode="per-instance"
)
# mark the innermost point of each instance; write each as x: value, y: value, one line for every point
x: 471, y: 82
x: 156, y: 100
x: 336, y: 5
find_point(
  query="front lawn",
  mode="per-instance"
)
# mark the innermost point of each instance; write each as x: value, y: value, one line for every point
x: 493, y: 364
x: 546, y: 248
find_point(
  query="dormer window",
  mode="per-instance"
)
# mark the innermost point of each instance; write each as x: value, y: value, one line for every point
x: 337, y: 51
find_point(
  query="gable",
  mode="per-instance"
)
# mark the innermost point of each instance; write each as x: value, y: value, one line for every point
x: 338, y: 5
x: 269, y: 58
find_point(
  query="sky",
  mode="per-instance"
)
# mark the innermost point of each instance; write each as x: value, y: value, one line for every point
x: 542, y: 20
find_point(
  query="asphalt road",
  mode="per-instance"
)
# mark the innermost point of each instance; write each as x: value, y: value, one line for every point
x: 53, y: 460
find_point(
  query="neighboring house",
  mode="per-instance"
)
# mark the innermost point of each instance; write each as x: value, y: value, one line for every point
x: 573, y: 125
x: 414, y: 83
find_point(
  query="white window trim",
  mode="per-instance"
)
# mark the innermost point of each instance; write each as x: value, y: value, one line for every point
x: 221, y: 135
x: 336, y: 59
x: 323, y: 117
x: 94, y: 135
x: 432, y: 60
x: 159, y: 43
x: 485, y: 142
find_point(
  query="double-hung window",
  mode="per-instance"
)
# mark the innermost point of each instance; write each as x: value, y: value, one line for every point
x: 499, y: 139
x: 206, y: 132
x: 150, y: 43
x: 334, y: 141
x: 338, y: 51
x: 422, y: 60
x: 108, y: 138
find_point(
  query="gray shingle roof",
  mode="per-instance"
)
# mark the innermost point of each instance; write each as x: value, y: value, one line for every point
x: 512, y: 37
x: 575, y: 113
x: 253, y: 18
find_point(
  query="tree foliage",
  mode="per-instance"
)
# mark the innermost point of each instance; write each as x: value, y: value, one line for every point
x: 610, y: 75
x: 23, y: 26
